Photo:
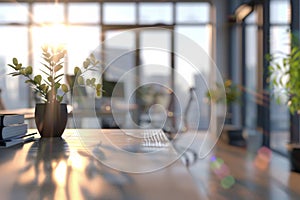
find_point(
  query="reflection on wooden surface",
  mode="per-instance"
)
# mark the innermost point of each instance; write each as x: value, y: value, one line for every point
x: 61, y: 168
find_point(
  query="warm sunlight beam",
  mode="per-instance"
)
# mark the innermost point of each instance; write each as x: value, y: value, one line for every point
x: 76, y: 160
x: 54, y: 35
x: 60, y: 173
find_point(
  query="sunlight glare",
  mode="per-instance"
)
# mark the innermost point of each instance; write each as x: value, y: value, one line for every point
x: 76, y: 160
x: 60, y: 173
x: 54, y: 35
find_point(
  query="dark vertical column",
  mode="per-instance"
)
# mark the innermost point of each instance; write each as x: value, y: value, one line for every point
x: 264, y: 109
x: 243, y: 81
x: 295, y: 27
x: 172, y: 104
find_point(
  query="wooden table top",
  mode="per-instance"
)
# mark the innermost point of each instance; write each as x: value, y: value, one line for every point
x: 95, y: 164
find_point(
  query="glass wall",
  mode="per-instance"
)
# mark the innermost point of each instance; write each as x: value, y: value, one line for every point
x: 14, y: 43
x: 251, y: 70
x: 279, y: 42
x: 80, y: 27
x: 156, y: 65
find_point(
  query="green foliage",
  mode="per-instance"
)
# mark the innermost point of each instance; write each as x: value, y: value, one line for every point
x: 285, y: 75
x: 48, y: 87
x: 232, y: 93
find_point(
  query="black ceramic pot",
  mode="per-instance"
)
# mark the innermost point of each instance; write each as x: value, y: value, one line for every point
x: 51, y: 119
x: 295, y: 159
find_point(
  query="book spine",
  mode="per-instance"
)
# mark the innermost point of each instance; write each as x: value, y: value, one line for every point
x: 1, y: 120
x: 7, y: 132
x: 10, y: 119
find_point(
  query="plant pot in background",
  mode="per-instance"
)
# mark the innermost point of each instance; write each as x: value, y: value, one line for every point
x: 51, y: 119
x: 294, y: 154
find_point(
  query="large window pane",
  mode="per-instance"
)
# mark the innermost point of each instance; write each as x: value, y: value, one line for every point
x: 280, y: 40
x: 119, y: 56
x: 251, y: 77
x: 84, y: 13
x: 154, y: 13
x: 79, y: 48
x: 189, y: 76
x: 8, y: 13
x: 279, y: 123
x: 13, y: 43
x: 192, y: 12
x: 82, y: 36
x: 280, y: 11
x: 156, y: 61
x: 119, y: 13
x: 48, y: 12
x: 201, y: 36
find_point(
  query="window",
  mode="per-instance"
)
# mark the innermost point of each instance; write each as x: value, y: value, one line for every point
x: 251, y: 68
x: 81, y: 25
x: 279, y: 41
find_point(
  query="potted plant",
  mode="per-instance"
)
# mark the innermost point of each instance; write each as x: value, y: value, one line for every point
x: 51, y: 115
x: 284, y: 79
x: 228, y: 95
x: 231, y: 95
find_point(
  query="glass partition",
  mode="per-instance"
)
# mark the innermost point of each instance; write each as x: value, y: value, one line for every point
x: 79, y: 26
x: 279, y: 42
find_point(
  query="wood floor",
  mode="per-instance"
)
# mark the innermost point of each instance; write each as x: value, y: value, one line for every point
x: 251, y: 176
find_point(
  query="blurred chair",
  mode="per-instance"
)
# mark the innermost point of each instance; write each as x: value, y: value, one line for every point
x: 190, y: 156
x: 103, y: 105
x: 112, y: 91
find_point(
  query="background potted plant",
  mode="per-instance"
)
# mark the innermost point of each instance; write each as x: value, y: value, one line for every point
x: 284, y: 79
x: 232, y: 93
x: 51, y: 115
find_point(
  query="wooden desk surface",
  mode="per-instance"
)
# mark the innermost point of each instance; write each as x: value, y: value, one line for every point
x: 72, y: 167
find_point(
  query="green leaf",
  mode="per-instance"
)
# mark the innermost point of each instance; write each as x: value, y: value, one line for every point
x: 44, y: 88
x: 15, y: 61
x: 19, y: 66
x: 50, y: 79
x: 268, y: 57
x: 45, y: 72
x: 46, y: 55
x: 10, y: 65
x: 22, y: 71
x: 55, y: 58
x: 30, y: 81
x: 99, y: 86
x: 48, y: 60
x: 16, y: 74
x: 28, y: 70
x: 59, y: 98
x: 57, y: 85
x: 88, y: 82
x: 86, y: 63
x: 58, y: 76
x: 92, y: 57
x: 98, y: 93
x: 49, y: 68
x: 48, y: 83
x: 77, y: 71
x: 93, y: 80
x: 58, y: 80
x: 45, y: 48
x: 57, y: 68
x: 80, y: 80
x: 64, y: 88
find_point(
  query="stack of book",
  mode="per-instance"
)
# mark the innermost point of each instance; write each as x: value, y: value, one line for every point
x: 13, y: 130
